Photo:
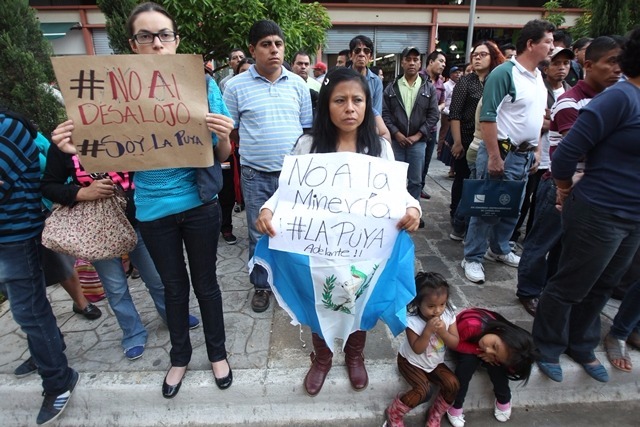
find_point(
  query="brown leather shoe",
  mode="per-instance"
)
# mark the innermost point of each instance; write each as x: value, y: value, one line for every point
x: 260, y: 300
x: 321, y: 360
x: 354, y: 359
x: 530, y: 305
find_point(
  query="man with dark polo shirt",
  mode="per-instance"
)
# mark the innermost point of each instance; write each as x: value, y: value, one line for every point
x: 542, y: 245
x: 511, y: 118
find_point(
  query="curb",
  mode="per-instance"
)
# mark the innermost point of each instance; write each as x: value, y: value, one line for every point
x: 275, y: 397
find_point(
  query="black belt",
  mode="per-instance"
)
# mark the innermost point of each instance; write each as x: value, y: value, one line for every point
x: 507, y: 146
x: 272, y: 173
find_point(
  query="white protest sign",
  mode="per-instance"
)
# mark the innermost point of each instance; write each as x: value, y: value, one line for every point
x: 339, y: 205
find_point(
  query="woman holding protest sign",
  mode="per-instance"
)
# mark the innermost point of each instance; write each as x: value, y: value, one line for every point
x: 177, y: 208
x: 344, y: 123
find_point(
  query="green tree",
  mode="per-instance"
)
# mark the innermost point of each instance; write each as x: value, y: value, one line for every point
x: 213, y: 27
x: 26, y: 67
x: 117, y: 12
x: 613, y: 17
x: 553, y: 13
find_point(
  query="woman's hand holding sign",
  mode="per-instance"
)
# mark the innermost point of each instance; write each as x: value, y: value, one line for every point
x: 410, y: 221
x: 221, y: 126
x: 61, y: 136
x: 263, y: 223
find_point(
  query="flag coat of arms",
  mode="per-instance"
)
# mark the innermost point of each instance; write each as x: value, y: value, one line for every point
x: 337, y: 297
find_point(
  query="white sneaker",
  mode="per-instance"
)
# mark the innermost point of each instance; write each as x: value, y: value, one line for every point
x: 456, y: 420
x: 502, y: 416
x: 511, y: 259
x: 474, y: 271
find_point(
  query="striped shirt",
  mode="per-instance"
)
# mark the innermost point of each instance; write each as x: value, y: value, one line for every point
x: 269, y: 116
x: 21, y: 215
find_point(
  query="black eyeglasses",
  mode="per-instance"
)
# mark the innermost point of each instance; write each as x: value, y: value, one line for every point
x: 366, y: 50
x: 147, y: 38
x: 480, y: 55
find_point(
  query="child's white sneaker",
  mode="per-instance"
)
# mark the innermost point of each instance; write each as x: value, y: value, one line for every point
x: 502, y: 415
x: 456, y: 420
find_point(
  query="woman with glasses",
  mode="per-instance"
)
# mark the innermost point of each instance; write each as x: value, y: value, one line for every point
x: 485, y: 56
x: 172, y: 217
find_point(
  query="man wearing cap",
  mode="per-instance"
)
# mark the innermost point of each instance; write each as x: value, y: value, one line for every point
x: 410, y: 110
x: 319, y: 71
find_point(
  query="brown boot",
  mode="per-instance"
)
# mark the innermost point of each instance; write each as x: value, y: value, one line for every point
x: 436, y: 411
x: 354, y: 358
x: 394, y: 414
x: 321, y: 360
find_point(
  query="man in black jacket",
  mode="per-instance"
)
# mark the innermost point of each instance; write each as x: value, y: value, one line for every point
x: 410, y: 110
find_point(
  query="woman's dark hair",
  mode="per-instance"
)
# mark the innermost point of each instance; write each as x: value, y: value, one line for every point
x: 522, y: 350
x: 629, y: 58
x: 242, y: 62
x: 325, y: 133
x: 495, y: 53
x: 428, y: 284
x: 148, y: 7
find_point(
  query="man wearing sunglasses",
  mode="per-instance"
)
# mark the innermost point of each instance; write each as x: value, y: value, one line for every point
x: 361, y: 51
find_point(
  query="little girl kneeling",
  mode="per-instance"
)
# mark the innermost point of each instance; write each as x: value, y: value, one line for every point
x: 431, y: 327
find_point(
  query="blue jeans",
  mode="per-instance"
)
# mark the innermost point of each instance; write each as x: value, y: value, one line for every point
x: 22, y: 282
x: 597, y: 249
x: 414, y: 156
x: 428, y: 154
x: 116, y: 287
x: 496, y: 230
x: 543, y: 237
x: 257, y: 188
x: 196, y: 230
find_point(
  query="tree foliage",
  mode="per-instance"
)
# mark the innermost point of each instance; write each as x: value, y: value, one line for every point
x: 613, y: 17
x: 117, y: 12
x: 213, y: 27
x: 26, y: 67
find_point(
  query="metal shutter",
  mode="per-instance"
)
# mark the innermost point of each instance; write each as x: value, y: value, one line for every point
x: 101, y: 42
x: 395, y: 39
x: 338, y: 38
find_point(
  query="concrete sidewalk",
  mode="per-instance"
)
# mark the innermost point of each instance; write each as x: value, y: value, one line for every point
x: 270, y: 357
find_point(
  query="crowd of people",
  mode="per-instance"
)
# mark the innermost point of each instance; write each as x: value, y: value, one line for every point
x: 562, y: 117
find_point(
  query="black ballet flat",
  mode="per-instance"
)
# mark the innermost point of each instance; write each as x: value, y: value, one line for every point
x: 224, y: 383
x: 170, y: 391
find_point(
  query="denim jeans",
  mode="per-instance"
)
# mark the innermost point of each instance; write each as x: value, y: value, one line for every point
x: 257, y: 188
x: 116, y: 287
x: 467, y: 365
x: 414, y: 156
x: 428, y: 154
x: 496, y: 230
x: 22, y: 282
x: 196, y: 230
x: 597, y: 249
x: 540, y: 241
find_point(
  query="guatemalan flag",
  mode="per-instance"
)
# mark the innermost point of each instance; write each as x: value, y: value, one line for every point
x: 330, y: 285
